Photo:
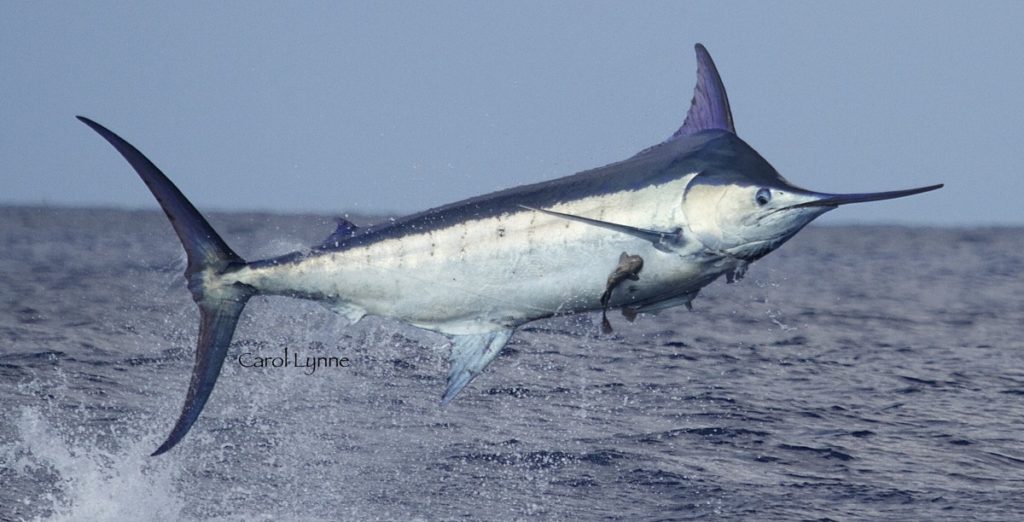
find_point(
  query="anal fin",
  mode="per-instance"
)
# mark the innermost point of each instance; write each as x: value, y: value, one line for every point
x: 470, y: 355
x: 350, y: 312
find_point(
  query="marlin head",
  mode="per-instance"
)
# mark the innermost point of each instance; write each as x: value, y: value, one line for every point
x: 747, y: 215
x: 740, y: 205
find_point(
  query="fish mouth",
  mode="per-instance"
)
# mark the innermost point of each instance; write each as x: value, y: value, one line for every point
x: 835, y: 200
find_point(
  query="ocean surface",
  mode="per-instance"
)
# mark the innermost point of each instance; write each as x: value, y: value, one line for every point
x: 858, y: 373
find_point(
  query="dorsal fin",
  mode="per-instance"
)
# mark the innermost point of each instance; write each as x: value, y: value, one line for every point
x: 710, y: 106
x: 346, y: 229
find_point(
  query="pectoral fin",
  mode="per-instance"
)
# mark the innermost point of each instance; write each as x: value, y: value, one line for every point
x: 664, y: 241
x: 470, y: 355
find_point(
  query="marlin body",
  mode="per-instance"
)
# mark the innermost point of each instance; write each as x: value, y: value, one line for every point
x: 700, y: 205
x: 493, y: 263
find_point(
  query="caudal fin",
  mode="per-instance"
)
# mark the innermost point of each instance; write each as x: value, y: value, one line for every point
x: 209, y: 257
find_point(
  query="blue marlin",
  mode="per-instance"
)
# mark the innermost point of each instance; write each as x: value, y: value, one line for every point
x: 641, y: 235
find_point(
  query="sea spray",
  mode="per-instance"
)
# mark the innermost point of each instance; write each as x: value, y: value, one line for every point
x: 83, y: 480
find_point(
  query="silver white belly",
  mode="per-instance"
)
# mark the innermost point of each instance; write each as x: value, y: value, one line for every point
x: 503, y: 270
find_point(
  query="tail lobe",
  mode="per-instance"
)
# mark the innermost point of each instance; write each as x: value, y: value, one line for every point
x: 204, y: 247
x: 216, y: 327
x: 208, y: 257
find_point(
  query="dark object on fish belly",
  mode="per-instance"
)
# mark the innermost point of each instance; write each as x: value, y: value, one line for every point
x: 629, y: 267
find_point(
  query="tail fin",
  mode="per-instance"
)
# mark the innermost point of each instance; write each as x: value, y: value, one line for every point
x: 208, y: 257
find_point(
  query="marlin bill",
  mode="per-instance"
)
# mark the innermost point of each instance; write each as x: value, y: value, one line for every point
x: 640, y: 235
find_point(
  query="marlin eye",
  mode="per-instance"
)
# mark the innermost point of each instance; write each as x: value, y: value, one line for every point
x: 763, y: 196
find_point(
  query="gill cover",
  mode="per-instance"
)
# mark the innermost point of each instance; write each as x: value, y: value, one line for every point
x: 727, y: 209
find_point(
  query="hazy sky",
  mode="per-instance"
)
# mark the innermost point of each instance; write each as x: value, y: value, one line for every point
x: 377, y: 106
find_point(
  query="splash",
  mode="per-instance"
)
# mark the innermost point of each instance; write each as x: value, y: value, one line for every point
x: 776, y: 317
x: 78, y: 478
